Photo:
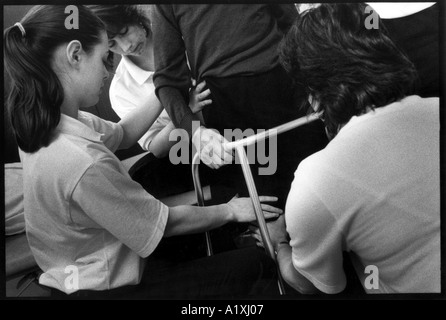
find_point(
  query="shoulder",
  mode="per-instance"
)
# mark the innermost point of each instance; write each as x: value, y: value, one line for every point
x: 111, y: 132
x: 96, y: 123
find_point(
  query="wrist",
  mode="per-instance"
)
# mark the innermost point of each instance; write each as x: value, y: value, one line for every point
x: 229, y: 213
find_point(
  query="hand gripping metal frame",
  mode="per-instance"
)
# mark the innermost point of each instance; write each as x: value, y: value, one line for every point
x: 239, y: 147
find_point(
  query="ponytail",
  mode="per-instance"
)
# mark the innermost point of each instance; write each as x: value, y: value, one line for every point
x: 36, y: 94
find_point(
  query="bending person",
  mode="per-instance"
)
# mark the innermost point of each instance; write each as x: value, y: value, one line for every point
x: 374, y: 191
x: 130, y: 36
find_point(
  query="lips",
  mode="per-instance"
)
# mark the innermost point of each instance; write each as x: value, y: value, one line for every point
x: 137, y: 49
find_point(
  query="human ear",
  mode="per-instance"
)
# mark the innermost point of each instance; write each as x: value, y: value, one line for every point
x: 74, y: 52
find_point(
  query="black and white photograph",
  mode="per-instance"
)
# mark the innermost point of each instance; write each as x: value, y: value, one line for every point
x: 223, y: 156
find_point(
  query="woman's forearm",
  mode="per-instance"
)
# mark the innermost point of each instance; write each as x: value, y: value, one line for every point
x: 192, y: 219
x: 136, y: 123
x: 160, y: 144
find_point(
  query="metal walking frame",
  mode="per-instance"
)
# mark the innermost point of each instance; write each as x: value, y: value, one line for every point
x: 239, y: 146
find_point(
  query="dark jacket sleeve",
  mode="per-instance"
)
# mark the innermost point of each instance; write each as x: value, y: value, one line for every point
x: 285, y: 15
x: 172, y: 78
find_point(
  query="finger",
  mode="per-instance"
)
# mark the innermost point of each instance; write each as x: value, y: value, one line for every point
x: 253, y: 228
x: 269, y: 215
x: 257, y: 236
x: 203, y: 94
x: 268, y: 208
x: 217, y: 160
x: 260, y: 244
x: 204, y: 103
x: 211, y: 155
x: 259, y: 241
x: 228, y: 157
x: 217, y: 148
x: 228, y: 154
x: 223, y: 157
x: 200, y: 86
x: 210, y: 164
x: 268, y: 199
x: 207, y: 159
x: 194, y: 82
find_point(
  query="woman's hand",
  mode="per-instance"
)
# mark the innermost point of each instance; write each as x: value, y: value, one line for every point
x: 197, y: 98
x: 276, y: 230
x: 211, y: 146
x: 243, y: 210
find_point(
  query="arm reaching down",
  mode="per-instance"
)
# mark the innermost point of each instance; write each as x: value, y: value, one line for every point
x: 280, y: 242
x: 190, y: 219
x: 136, y: 123
x: 160, y: 145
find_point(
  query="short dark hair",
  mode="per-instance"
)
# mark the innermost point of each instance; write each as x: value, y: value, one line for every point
x: 36, y: 94
x: 118, y: 17
x: 344, y: 65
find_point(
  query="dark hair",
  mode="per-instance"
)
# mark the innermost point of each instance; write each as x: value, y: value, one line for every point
x: 345, y: 66
x: 118, y: 17
x: 36, y: 93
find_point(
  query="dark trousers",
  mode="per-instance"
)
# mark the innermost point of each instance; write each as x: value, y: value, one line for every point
x: 234, y: 274
x: 161, y: 178
x: 262, y: 102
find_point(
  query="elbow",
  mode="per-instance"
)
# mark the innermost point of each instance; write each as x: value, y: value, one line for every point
x: 158, y: 150
x: 160, y: 153
x: 302, y: 288
x: 307, y: 290
x: 298, y: 281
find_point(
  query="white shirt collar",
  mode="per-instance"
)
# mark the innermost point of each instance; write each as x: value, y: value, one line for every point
x: 138, y: 74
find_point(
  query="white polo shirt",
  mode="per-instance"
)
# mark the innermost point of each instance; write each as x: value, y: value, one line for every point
x: 130, y: 88
x: 14, y: 215
x: 375, y: 191
x: 83, y: 212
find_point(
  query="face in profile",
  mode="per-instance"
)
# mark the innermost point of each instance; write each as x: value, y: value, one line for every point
x: 94, y: 71
x: 130, y: 41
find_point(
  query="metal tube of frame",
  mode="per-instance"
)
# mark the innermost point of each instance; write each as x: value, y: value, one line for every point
x: 273, y: 131
x: 239, y: 146
x: 259, y: 212
x: 200, y: 197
